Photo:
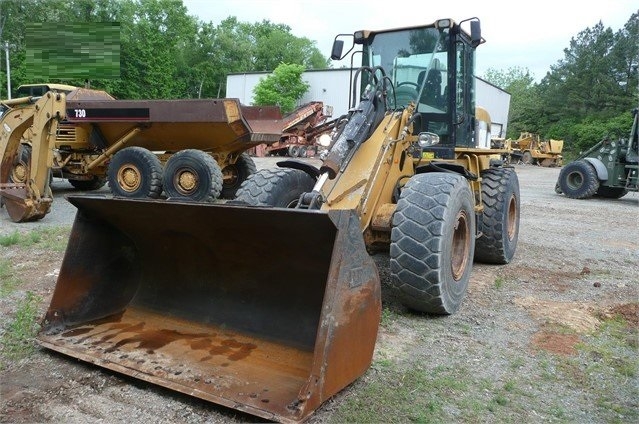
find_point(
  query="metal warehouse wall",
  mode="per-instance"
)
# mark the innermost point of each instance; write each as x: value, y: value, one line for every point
x: 497, y: 102
x: 332, y: 86
x: 329, y: 86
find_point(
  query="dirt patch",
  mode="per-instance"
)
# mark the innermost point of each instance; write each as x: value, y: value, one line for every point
x: 629, y: 312
x: 577, y: 316
x: 560, y: 344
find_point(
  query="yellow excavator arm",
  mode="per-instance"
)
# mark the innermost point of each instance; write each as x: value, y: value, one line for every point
x: 26, y: 132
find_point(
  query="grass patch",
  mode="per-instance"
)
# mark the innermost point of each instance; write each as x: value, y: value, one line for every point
x: 608, y: 364
x: 8, y: 280
x: 50, y: 238
x: 388, y: 317
x: 10, y: 239
x: 411, y: 394
x: 17, y: 339
x: 499, y: 282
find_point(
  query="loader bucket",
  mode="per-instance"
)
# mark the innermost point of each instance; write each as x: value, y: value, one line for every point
x: 267, y: 311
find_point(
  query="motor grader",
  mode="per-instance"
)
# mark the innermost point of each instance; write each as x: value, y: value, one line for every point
x: 190, y: 149
x: 270, y: 303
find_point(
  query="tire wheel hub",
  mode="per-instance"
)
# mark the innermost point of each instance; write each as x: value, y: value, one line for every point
x: 461, y: 246
x: 575, y: 180
x: 129, y: 178
x: 19, y: 174
x: 186, y: 181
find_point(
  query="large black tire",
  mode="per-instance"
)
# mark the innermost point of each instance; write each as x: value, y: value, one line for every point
x: 280, y: 187
x: 578, y: 180
x: 500, y: 219
x: 191, y: 174
x: 94, y: 183
x: 294, y: 151
x: 236, y: 174
x: 611, y: 192
x: 433, y: 242
x: 136, y: 173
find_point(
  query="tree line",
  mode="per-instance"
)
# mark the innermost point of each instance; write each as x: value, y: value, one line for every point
x: 584, y: 97
x: 164, y: 51
x: 167, y: 53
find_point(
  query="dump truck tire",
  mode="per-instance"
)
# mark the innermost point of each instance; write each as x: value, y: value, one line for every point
x: 279, y: 188
x: 578, y: 180
x: 611, y: 192
x: 293, y: 151
x: 236, y: 174
x: 500, y: 219
x: 193, y: 175
x: 433, y: 242
x: 94, y: 183
x: 136, y: 173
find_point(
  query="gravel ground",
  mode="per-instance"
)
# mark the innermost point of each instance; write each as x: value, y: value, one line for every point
x: 534, y: 341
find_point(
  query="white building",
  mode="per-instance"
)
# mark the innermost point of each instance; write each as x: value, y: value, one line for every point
x: 332, y: 87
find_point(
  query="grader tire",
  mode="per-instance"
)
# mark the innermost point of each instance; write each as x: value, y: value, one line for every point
x: 500, y: 219
x: 279, y: 187
x: 432, y: 242
x: 527, y: 158
x: 136, y: 173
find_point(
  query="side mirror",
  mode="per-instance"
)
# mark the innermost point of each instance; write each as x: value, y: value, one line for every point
x: 336, y: 52
x: 475, y: 33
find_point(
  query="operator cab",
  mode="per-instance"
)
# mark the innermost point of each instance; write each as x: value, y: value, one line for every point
x: 431, y: 66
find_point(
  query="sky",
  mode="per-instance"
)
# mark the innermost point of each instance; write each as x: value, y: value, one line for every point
x: 531, y: 35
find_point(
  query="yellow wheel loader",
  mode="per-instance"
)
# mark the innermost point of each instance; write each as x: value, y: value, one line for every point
x: 270, y: 303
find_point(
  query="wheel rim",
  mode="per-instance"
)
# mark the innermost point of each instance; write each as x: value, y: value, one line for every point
x: 512, y: 217
x: 230, y: 175
x: 461, y: 245
x: 185, y: 181
x: 575, y: 180
x: 129, y: 178
x: 19, y: 173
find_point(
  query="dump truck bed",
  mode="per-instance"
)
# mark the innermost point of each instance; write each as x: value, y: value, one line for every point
x: 212, y: 125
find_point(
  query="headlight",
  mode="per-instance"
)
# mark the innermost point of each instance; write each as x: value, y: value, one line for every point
x: 427, y: 139
x: 324, y: 140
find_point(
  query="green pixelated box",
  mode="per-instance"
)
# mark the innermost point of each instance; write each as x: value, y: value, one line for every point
x: 73, y: 50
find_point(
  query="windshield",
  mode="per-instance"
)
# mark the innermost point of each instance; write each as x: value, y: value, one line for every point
x: 415, y: 61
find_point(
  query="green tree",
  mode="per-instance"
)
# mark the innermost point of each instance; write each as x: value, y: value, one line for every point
x: 524, y: 99
x: 283, y: 88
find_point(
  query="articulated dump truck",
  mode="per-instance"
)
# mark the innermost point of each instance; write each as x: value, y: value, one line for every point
x: 189, y: 149
x: 270, y: 303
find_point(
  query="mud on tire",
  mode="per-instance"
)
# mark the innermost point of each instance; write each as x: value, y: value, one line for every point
x: 500, y: 219
x: 432, y: 242
x: 280, y: 187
